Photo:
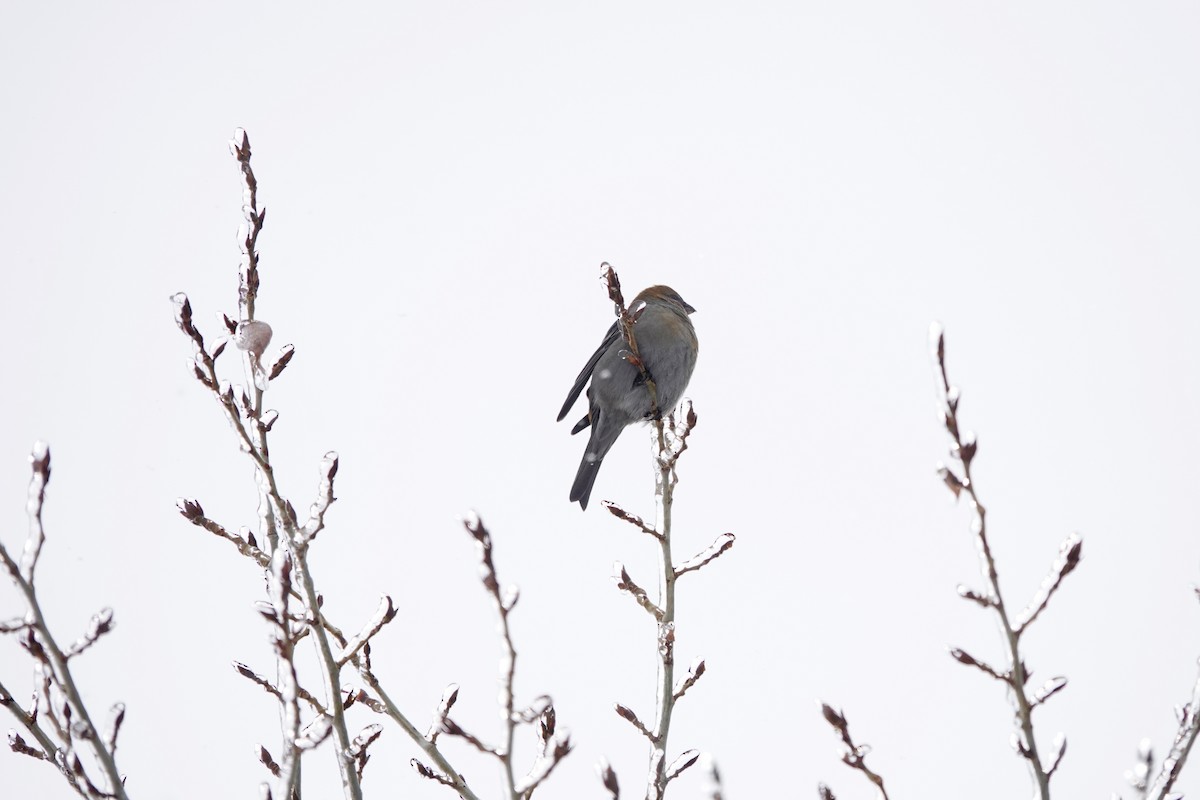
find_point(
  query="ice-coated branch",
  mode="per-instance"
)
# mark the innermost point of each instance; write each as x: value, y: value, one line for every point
x: 384, y: 614
x: 963, y: 657
x: 273, y: 690
x: 504, y: 601
x: 854, y: 755
x: 28, y: 719
x: 552, y: 750
x: 693, y: 674
x: 1060, y: 750
x: 1048, y: 690
x: 1181, y: 747
x: 630, y: 716
x: 963, y: 449
x: 39, y: 460
x: 448, y: 776
x: 251, y: 425
x: 99, y: 625
x: 248, y: 284
x: 508, y: 660
x: 325, y: 498
x: 1068, y: 559
x: 626, y: 584
x: 358, y: 747
x: 279, y: 585
x: 68, y: 717
x: 449, y: 698
x: 193, y: 512
x: 709, y: 554
x: 684, y: 760
x: 632, y: 519
x: 669, y: 441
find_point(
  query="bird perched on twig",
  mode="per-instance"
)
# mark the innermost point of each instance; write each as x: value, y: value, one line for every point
x: 667, y: 347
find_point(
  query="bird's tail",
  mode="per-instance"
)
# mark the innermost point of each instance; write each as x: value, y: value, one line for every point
x: 581, y: 490
x: 599, y: 443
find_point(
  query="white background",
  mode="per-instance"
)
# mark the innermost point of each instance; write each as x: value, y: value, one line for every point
x: 821, y: 180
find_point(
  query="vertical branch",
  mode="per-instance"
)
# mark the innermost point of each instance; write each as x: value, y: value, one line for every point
x: 552, y: 748
x: 248, y: 270
x: 508, y: 660
x: 664, y: 496
x: 251, y: 426
x: 279, y: 586
x: 1017, y: 675
x: 287, y: 541
x: 669, y: 442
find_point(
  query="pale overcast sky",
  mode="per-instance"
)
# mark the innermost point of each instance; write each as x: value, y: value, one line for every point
x: 820, y: 180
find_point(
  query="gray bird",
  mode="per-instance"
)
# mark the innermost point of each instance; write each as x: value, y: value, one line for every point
x: 618, y: 395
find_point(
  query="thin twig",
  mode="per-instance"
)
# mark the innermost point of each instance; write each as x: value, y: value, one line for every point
x: 854, y: 756
x: 670, y: 440
x: 964, y: 449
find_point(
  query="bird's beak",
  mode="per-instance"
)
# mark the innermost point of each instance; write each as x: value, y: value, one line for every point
x: 688, y: 307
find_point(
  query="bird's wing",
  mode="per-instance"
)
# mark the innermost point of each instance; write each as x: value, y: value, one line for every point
x: 585, y: 374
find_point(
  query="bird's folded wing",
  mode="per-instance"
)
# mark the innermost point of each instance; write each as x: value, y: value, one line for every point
x: 613, y: 334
